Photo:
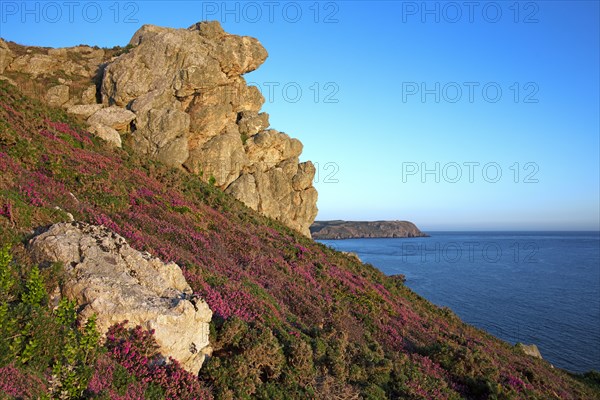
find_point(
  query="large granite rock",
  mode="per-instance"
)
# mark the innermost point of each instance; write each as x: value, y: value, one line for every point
x: 114, y: 117
x: 107, y: 134
x: 194, y: 110
x: 364, y: 229
x: 80, y: 60
x: 182, y: 96
x: 110, y: 279
x: 529, y: 349
x: 57, y: 95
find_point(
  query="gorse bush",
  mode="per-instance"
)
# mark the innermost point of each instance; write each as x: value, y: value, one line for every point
x: 292, y: 319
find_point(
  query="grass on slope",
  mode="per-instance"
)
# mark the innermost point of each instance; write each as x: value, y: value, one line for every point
x: 293, y: 318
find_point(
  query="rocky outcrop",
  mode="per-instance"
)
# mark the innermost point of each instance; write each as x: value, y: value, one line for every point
x: 57, y: 95
x: 530, y: 349
x: 79, y: 60
x: 6, y: 56
x: 106, y: 133
x: 116, y: 283
x: 113, y: 117
x: 194, y: 110
x: 182, y: 96
x: 364, y: 229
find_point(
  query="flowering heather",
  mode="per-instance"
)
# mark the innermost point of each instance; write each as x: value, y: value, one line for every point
x: 15, y: 383
x: 6, y: 210
x: 135, y: 350
x: 292, y: 318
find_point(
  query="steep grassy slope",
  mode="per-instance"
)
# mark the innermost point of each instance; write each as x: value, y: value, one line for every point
x: 293, y: 319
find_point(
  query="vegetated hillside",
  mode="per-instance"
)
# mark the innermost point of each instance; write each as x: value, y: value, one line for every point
x: 293, y: 318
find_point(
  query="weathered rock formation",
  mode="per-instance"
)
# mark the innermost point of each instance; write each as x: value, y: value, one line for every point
x: 530, y: 349
x: 364, y: 229
x: 181, y: 97
x: 115, y: 282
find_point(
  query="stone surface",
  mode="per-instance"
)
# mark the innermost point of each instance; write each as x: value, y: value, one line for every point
x: 182, y: 96
x: 6, y: 56
x: 57, y: 95
x: 115, y: 282
x: 222, y: 157
x: 250, y: 123
x: 34, y: 64
x: 364, y: 229
x: 244, y: 189
x: 84, y: 110
x: 89, y: 95
x: 530, y: 349
x: 106, y: 133
x: 194, y: 110
x: 115, y: 117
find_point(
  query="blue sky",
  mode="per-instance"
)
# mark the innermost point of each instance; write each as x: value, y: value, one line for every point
x: 498, y: 102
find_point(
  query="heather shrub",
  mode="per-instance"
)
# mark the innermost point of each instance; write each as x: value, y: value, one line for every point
x: 292, y: 318
x: 136, y: 352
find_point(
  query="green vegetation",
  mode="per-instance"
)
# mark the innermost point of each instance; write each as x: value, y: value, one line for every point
x: 292, y: 318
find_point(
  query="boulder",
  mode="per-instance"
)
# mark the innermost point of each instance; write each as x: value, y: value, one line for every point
x: 107, y: 134
x: 34, y: 64
x: 163, y: 134
x: 251, y: 123
x: 57, y: 95
x: 244, y: 189
x: 84, y: 110
x: 268, y: 148
x: 89, y: 95
x: 109, y: 279
x: 222, y: 157
x: 304, y: 177
x: 115, y: 117
x: 529, y: 349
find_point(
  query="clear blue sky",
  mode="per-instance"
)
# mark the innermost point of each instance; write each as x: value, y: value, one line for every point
x: 403, y: 87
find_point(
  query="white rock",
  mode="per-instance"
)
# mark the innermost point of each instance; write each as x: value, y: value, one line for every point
x: 116, y: 283
x: 106, y: 133
x: 116, y: 117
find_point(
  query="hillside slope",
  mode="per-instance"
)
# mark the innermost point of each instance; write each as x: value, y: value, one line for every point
x: 292, y: 318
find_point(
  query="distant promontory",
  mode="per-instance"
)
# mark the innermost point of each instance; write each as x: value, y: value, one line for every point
x: 364, y: 229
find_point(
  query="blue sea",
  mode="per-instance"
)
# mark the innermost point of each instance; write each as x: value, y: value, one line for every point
x: 530, y: 287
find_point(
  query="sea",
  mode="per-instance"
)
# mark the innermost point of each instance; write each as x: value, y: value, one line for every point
x: 529, y: 287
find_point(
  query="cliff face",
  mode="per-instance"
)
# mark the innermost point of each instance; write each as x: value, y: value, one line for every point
x: 180, y: 97
x: 364, y: 229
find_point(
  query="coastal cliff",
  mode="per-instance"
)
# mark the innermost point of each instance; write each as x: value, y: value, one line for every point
x: 364, y: 229
x: 179, y: 97
x: 291, y: 318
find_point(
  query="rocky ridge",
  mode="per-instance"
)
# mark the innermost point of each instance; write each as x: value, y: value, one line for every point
x: 179, y: 96
x: 364, y: 229
x: 109, y: 279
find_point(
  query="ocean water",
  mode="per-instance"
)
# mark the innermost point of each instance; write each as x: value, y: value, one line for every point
x: 530, y: 287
